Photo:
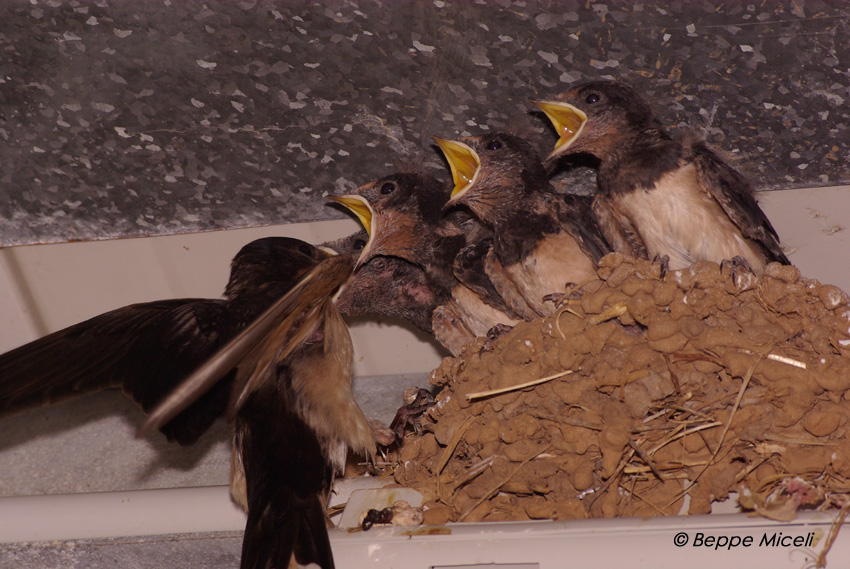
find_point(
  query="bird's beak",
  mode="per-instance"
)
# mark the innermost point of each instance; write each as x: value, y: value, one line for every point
x: 364, y: 212
x: 568, y: 121
x: 330, y: 252
x: 464, y: 163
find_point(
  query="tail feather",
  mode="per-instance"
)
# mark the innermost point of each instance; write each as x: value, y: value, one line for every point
x: 274, y: 535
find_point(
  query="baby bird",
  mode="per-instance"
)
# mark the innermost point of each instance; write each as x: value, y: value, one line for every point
x: 669, y: 198
x: 542, y: 240
x: 403, y: 212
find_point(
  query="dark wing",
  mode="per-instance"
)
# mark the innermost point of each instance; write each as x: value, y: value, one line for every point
x: 287, y: 478
x: 618, y: 230
x: 577, y: 217
x: 506, y: 288
x: 735, y: 195
x: 469, y: 269
x: 269, y: 339
x: 146, y: 349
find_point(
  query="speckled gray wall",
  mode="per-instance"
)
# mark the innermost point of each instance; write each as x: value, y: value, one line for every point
x: 124, y: 118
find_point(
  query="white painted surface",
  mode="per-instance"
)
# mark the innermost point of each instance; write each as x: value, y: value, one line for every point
x: 614, y: 543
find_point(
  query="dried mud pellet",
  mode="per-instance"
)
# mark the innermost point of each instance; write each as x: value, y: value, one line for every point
x: 665, y: 293
x: 488, y: 434
x: 490, y: 449
x: 700, y: 501
x: 538, y: 508
x: 520, y: 450
x: 482, y: 485
x: 806, y: 460
x: 662, y: 327
x: 570, y: 509
x: 692, y: 327
x: 693, y: 443
x: 637, y: 399
x: 436, y: 513
x: 577, y: 439
x: 671, y: 344
x: 480, y: 512
x: 508, y: 434
x: 785, y: 273
x: 634, y: 284
x: 825, y: 418
x: 640, y: 356
x: 410, y: 450
x: 615, y: 274
x: 641, y: 307
x: 679, y: 309
x: 608, y: 504
x: 833, y: 375
x: 581, y: 477
x: 518, y: 487
x: 794, y: 407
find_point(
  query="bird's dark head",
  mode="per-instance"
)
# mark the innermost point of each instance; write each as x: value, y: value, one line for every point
x: 492, y: 172
x: 397, y: 212
x: 351, y: 245
x: 270, y: 266
x: 596, y: 118
x: 418, y: 194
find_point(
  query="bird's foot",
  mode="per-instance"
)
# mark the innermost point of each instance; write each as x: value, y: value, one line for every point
x: 555, y: 297
x: 742, y: 274
x: 493, y: 334
x: 416, y: 402
x: 663, y: 264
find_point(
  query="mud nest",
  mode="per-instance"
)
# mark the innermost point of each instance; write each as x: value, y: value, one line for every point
x: 655, y: 394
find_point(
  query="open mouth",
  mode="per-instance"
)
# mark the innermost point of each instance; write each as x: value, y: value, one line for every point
x: 568, y: 121
x: 464, y: 163
x: 361, y: 208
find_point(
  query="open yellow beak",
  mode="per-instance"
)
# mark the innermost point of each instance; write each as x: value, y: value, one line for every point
x: 464, y: 163
x: 568, y: 121
x: 361, y: 208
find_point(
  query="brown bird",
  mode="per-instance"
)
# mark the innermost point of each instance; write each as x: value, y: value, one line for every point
x: 668, y: 197
x: 542, y: 240
x: 403, y: 213
x: 274, y: 354
x: 384, y: 286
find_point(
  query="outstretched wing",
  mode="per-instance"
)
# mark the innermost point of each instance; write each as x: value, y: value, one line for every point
x: 269, y: 339
x: 735, y: 195
x: 146, y: 349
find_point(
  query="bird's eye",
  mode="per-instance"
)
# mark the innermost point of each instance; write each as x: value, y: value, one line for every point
x: 494, y: 145
x: 359, y: 244
x: 388, y: 188
x: 592, y: 98
x: 306, y: 249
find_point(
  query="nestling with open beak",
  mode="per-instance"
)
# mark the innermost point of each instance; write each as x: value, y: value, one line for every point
x: 542, y: 240
x: 274, y: 355
x: 669, y: 197
x: 404, y: 214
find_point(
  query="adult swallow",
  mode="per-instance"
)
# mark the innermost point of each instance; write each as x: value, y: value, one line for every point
x: 678, y: 198
x: 274, y: 355
x: 542, y: 240
x: 384, y: 286
x: 403, y: 213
